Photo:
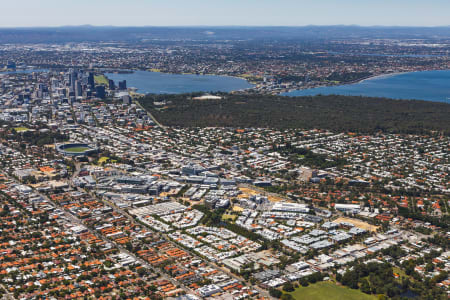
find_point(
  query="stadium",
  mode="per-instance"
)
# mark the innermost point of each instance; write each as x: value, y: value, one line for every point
x: 75, y: 149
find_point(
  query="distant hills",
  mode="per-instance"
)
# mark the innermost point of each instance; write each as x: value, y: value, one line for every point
x: 87, y: 33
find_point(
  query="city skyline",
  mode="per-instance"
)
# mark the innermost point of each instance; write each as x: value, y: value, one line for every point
x: 51, y: 13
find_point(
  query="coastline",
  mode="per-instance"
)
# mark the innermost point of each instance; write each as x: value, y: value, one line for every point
x: 372, y: 77
x: 386, y: 75
x: 435, y: 90
x: 132, y: 71
x: 284, y: 91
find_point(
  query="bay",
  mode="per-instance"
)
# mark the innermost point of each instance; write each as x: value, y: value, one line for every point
x: 424, y: 85
x: 161, y: 83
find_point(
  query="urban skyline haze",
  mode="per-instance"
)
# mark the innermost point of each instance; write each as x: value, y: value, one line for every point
x: 28, y: 13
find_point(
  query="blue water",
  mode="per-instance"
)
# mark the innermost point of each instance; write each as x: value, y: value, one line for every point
x: 426, y: 85
x: 26, y: 71
x: 161, y: 83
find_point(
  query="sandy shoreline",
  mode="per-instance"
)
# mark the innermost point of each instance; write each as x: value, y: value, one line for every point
x: 379, y: 76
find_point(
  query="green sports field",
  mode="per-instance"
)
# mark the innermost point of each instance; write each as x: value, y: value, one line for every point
x: 77, y: 149
x: 21, y: 129
x: 101, y: 79
x: 327, y: 290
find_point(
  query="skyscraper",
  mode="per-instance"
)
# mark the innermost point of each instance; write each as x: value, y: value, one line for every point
x: 78, y: 89
x: 91, y: 80
x: 73, y: 76
x: 100, y: 91
x: 122, y: 85
x: 111, y: 84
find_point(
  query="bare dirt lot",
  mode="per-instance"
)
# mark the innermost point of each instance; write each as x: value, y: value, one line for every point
x: 357, y: 223
x: 247, y: 192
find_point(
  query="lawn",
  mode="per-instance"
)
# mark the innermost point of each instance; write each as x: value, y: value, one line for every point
x: 101, y: 79
x: 229, y: 217
x: 103, y: 159
x: 21, y: 129
x: 327, y: 290
x: 77, y: 149
x: 401, y: 274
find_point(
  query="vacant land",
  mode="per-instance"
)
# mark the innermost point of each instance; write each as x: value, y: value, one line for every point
x: 328, y: 290
x: 358, y: 223
x: 247, y: 192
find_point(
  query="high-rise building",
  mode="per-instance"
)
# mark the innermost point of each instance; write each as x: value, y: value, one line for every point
x: 91, y: 80
x: 100, y: 91
x: 126, y: 99
x: 78, y: 89
x: 111, y: 84
x: 11, y: 65
x: 73, y: 76
x: 122, y: 85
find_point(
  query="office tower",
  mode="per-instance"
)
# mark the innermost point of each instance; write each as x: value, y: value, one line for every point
x: 100, y: 91
x: 72, y: 78
x: 126, y: 99
x: 122, y: 85
x: 91, y: 80
x: 78, y: 89
x: 11, y: 65
x: 111, y: 84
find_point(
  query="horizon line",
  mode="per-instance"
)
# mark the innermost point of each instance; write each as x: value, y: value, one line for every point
x: 220, y: 26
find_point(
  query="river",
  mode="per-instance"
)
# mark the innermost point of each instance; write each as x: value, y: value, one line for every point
x: 162, y: 83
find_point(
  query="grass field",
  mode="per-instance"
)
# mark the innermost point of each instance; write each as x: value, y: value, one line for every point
x: 21, y: 129
x: 101, y: 79
x: 103, y: 159
x: 327, y: 290
x: 229, y: 217
x: 76, y: 149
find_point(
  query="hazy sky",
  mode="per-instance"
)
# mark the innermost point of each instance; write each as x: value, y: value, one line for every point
x: 20, y: 13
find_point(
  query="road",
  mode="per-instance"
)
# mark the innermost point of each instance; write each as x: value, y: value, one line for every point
x: 166, y: 237
x: 150, y: 115
x: 122, y: 249
x: 76, y: 221
x: 7, y: 294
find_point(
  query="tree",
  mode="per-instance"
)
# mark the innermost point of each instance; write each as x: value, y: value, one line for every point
x: 142, y: 271
x: 365, y: 286
x: 303, y: 281
x: 288, y: 287
x: 287, y: 297
x: 275, y: 293
x: 429, y: 267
